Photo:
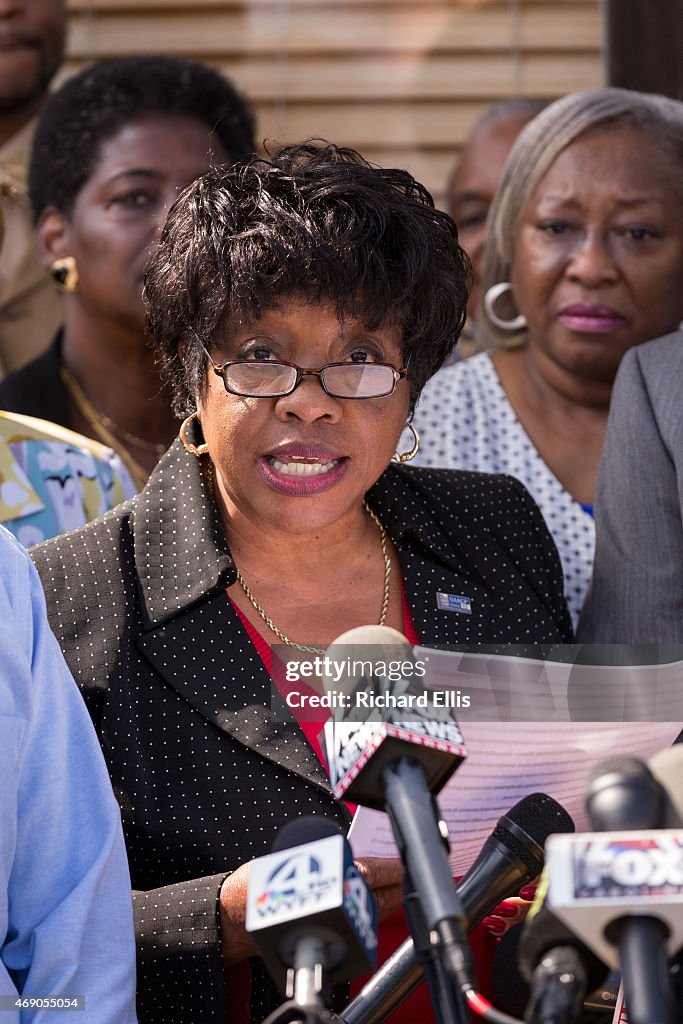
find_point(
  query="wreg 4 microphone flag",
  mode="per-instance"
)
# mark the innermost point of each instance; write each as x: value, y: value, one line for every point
x: 310, y: 912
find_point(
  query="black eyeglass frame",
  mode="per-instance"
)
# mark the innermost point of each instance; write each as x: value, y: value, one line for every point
x: 220, y: 368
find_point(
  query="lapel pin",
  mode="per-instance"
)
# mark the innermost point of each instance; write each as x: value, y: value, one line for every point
x: 453, y: 603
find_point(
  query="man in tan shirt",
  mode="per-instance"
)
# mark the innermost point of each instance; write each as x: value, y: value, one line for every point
x: 32, y: 34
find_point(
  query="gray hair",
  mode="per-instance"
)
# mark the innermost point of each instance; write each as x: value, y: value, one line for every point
x: 536, y: 149
x: 513, y: 107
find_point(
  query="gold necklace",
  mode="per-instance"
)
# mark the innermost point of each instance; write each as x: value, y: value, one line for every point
x: 385, y: 599
x: 107, y: 431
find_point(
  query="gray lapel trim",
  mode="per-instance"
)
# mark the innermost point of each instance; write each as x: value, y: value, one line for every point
x: 181, y: 554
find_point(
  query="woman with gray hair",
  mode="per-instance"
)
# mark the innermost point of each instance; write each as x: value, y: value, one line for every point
x: 585, y: 261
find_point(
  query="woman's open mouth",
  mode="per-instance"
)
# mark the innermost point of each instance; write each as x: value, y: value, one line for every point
x: 297, y: 466
x: 301, y: 474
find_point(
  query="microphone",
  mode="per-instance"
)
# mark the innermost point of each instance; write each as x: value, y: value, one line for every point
x: 623, y: 890
x: 511, y: 856
x: 624, y: 794
x: 636, y: 800
x: 310, y: 912
x: 395, y: 761
x: 557, y: 966
x: 381, y: 713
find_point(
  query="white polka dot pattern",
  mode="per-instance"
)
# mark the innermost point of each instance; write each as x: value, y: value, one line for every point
x: 465, y: 421
x: 204, y: 774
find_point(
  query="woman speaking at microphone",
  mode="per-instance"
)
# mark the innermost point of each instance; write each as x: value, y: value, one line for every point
x: 297, y: 307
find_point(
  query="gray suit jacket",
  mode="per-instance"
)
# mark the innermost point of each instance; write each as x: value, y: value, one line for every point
x: 636, y: 596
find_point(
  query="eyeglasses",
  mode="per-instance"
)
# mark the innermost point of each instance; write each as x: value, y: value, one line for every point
x: 274, y: 378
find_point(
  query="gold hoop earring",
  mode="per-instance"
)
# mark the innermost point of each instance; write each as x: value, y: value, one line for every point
x: 65, y: 273
x: 189, y: 446
x: 407, y: 456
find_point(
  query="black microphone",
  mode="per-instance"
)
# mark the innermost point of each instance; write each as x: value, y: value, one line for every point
x: 511, y: 856
x: 622, y: 890
x: 512, y: 993
x: 396, y: 760
x: 624, y: 794
x: 557, y: 966
x: 310, y: 912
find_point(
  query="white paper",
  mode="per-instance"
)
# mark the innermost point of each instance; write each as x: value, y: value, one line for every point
x: 509, y: 760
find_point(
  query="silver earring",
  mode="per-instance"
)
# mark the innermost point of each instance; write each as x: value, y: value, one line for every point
x: 401, y: 457
x: 492, y: 296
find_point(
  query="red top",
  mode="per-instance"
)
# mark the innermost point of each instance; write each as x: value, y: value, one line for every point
x: 311, y: 725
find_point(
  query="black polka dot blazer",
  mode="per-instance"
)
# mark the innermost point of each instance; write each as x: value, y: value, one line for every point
x: 204, y: 774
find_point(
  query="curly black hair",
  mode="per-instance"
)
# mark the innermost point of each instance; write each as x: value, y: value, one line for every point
x: 96, y: 103
x: 316, y: 223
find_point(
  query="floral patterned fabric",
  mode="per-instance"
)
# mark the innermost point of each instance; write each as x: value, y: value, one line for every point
x: 53, y: 480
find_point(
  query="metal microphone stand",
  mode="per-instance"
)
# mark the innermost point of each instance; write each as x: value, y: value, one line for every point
x: 409, y: 824
x: 304, y: 985
x: 447, y: 1003
x: 293, y: 1013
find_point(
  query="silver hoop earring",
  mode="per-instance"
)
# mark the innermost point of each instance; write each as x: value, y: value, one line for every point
x: 402, y: 457
x: 189, y: 446
x: 492, y: 296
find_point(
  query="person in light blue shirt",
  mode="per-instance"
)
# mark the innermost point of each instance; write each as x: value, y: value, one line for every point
x: 66, y: 923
